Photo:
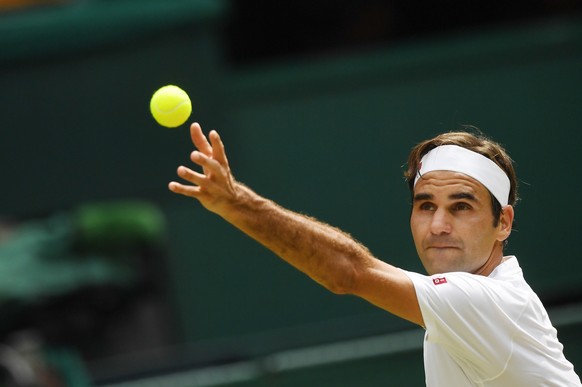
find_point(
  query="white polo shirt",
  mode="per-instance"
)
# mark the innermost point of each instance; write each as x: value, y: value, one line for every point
x: 489, y: 331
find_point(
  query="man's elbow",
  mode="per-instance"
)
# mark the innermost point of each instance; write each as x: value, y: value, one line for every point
x: 343, y: 282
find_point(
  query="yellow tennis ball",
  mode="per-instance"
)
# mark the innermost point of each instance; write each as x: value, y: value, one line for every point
x: 170, y: 106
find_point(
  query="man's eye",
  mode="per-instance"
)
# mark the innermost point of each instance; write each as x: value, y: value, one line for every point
x: 426, y: 206
x: 461, y: 207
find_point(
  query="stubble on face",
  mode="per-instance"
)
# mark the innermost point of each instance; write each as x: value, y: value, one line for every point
x: 451, y: 223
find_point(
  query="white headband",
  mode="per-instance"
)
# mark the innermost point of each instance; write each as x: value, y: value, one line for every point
x: 458, y: 159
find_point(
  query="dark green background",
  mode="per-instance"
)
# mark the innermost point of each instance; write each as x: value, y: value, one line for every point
x: 326, y: 137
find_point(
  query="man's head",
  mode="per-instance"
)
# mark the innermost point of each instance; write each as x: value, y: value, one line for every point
x: 463, y: 188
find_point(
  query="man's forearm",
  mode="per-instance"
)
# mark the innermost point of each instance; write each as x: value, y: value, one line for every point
x: 328, y: 255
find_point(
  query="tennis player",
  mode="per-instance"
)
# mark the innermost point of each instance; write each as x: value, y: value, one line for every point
x: 484, y: 324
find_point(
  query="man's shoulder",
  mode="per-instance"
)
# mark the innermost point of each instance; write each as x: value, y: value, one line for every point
x: 505, y: 286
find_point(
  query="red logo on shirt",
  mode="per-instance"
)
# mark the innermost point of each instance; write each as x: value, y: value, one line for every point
x: 439, y: 280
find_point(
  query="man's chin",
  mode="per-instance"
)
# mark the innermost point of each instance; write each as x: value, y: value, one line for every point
x: 442, y: 261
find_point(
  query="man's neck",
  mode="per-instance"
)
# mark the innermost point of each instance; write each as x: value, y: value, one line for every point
x: 494, y: 260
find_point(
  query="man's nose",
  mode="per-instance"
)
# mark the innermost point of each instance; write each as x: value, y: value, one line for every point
x: 440, y: 222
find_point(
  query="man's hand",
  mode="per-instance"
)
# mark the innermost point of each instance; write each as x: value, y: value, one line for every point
x: 215, y: 187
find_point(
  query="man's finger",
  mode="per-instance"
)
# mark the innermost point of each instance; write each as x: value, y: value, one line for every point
x: 199, y: 139
x: 209, y: 164
x: 186, y: 190
x: 191, y: 176
x: 218, y: 151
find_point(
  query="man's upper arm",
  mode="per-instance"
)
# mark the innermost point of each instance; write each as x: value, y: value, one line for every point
x: 389, y: 288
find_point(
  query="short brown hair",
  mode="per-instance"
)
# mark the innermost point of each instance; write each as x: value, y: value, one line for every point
x: 476, y: 142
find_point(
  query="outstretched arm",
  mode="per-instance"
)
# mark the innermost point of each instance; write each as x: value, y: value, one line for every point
x: 325, y: 253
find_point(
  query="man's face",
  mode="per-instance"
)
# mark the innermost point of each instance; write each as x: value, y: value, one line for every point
x: 452, y: 223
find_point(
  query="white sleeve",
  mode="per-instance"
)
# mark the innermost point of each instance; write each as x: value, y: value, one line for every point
x: 474, y: 317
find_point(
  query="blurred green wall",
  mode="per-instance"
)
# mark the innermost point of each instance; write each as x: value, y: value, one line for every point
x: 326, y: 137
